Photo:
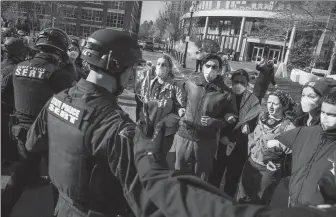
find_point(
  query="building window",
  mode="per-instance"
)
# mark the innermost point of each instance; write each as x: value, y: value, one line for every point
x: 95, y: 2
x: 86, y: 31
x: 92, y: 15
x: 46, y: 9
x: 66, y: 11
x: 116, y: 5
x: 115, y: 20
x: 70, y: 29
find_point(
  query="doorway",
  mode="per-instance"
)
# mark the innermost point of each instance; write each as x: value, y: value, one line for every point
x: 257, y: 54
x: 275, y: 55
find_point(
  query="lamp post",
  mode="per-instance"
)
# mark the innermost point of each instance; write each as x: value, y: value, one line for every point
x: 192, y: 9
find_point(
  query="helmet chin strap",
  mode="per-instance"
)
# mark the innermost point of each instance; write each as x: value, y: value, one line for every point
x: 119, y: 89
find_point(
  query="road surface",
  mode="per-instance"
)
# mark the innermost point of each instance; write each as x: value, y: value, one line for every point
x: 39, y: 203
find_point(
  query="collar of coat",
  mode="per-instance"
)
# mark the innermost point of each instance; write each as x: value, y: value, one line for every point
x: 166, y: 84
x: 329, y: 134
x: 217, y: 84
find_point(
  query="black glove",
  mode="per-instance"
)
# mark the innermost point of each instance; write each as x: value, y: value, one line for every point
x: 149, y: 147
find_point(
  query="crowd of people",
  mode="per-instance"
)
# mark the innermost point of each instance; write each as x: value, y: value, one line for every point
x: 199, y: 147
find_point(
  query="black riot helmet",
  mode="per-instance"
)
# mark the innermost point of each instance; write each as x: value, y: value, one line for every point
x: 14, y: 47
x: 111, y: 50
x: 53, y: 38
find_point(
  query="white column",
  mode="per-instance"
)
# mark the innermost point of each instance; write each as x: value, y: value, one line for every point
x: 205, y: 32
x: 218, y: 4
x: 240, y: 39
x: 290, y: 45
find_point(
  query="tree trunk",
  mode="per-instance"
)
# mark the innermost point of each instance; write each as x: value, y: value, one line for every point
x: 331, y: 67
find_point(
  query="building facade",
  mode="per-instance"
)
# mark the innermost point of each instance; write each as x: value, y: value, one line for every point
x: 235, y: 25
x: 82, y: 18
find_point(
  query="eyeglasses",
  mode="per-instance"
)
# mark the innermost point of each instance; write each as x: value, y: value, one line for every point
x: 239, y: 82
x: 214, y: 67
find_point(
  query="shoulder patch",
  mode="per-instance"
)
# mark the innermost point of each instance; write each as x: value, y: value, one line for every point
x: 66, y: 112
x: 128, y: 131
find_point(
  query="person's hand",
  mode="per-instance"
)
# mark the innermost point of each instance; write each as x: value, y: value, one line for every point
x: 147, y: 145
x: 276, y: 86
x: 207, y: 121
x: 273, y: 143
x: 271, y: 166
x: 230, y: 118
x: 181, y: 112
x: 245, y: 129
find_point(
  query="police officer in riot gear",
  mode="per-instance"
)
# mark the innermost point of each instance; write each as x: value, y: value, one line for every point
x: 89, y: 138
x: 35, y: 81
x: 14, y: 52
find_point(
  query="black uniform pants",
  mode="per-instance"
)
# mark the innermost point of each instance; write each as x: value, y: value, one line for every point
x: 26, y: 172
x: 8, y: 147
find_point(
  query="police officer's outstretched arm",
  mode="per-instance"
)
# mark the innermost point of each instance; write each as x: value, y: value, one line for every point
x: 180, y: 195
x: 37, y: 137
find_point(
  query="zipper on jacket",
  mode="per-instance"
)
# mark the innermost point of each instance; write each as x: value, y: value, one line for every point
x: 199, y: 108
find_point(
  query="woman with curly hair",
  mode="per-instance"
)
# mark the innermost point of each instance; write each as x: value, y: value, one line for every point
x: 164, y: 99
x: 263, y: 170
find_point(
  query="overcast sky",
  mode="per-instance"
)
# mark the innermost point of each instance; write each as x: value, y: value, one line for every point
x: 150, y: 10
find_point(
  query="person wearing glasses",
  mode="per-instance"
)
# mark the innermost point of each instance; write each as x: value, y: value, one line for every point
x: 75, y: 59
x: 232, y: 150
x: 210, y: 107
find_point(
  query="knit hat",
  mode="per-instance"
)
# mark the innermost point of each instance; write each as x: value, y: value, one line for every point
x: 321, y: 86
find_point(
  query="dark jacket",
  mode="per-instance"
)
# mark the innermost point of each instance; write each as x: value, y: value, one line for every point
x: 90, y: 144
x: 7, y: 93
x: 310, y: 149
x: 205, y: 99
x: 35, y: 81
x: 266, y: 76
x: 181, y: 195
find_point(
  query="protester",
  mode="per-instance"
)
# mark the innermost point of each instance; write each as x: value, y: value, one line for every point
x: 266, y: 76
x: 308, y: 111
x: 312, y: 92
x: 260, y: 178
x: 34, y: 82
x: 74, y: 56
x: 140, y: 77
x: 166, y: 100
x: 14, y: 53
x: 232, y: 151
x: 176, y: 194
x: 226, y: 64
x: 210, y: 108
x: 311, y: 147
x: 199, y: 56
